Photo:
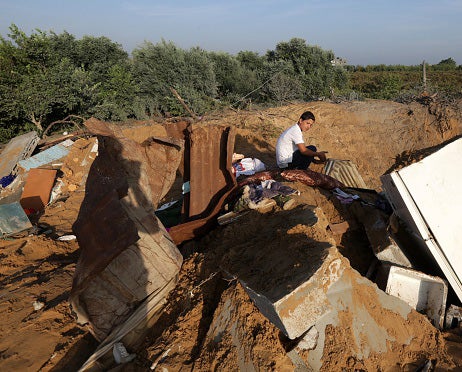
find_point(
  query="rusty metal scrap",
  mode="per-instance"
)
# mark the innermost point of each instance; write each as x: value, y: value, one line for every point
x: 103, y: 228
x: 210, y: 166
x: 211, y: 179
x: 103, y: 231
x: 126, y: 252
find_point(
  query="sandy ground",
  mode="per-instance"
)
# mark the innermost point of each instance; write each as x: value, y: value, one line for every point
x: 39, y: 332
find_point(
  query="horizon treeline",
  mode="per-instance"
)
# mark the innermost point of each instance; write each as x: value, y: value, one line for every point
x: 46, y: 77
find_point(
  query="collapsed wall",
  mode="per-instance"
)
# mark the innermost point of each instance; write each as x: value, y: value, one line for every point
x: 292, y: 293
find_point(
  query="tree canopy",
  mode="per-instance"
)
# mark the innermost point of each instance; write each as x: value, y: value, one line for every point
x: 46, y: 77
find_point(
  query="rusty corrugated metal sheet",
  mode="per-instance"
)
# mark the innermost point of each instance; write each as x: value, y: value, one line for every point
x: 210, y: 166
x: 344, y: 171
x: 211, y: 178
x: 197, y: 228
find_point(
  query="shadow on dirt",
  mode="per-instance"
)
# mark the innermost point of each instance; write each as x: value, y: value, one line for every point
x: 408, y: 157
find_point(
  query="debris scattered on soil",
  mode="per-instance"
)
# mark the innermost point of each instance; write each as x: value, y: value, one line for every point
x: 211, y: 320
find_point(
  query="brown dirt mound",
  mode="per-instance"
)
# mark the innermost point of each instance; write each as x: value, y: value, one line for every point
x: 372, y: 134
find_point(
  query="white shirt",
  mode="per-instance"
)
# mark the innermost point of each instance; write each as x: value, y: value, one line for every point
x: 287, y: 144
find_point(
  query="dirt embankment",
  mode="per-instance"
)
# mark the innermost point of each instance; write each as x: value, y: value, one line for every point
x: 377, y: 136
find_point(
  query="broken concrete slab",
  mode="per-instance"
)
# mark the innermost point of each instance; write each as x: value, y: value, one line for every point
x: 298, y: 311
x: 383, y: 244
x: 297, y: 301
x: 426, y: 196
x: 425, y: 293
x: 19, y: 148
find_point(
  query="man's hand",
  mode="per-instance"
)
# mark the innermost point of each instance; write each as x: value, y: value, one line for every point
x: 322, y: 156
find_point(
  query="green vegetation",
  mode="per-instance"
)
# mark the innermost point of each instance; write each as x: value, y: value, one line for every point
x: 396, y: 81
x: 46, y: 77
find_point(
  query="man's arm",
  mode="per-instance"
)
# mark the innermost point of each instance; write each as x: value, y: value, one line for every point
x: 321, y: 155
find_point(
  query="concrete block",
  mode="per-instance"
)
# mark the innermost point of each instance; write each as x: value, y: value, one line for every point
x: 363, y: 332
x: 453, y: 317
x: 383, y: 244
x: 425, y: 293
x: 297, y: 309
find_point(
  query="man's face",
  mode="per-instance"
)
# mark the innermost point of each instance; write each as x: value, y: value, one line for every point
x: 306, y: 124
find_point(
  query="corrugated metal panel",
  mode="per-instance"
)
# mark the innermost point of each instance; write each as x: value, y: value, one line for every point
x: 211, y: 178
x: 196, y: 228
x: 17, y: 149
x: 45, y: 157
x: 210, y: 166
x: 13, y: 219
x: 344, y: 171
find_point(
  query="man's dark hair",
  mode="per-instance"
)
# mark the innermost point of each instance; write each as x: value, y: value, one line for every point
x: 307, y: 115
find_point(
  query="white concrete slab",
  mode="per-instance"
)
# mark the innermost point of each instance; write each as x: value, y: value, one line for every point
x: 426, y: 195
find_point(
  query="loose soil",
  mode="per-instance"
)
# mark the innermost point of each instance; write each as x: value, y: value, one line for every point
x: 271, y: 252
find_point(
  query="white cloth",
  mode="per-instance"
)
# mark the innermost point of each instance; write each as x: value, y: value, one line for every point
x: 249, y: 166
x: 287, y: 144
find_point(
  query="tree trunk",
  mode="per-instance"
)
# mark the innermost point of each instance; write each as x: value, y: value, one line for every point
x: 37, y: 123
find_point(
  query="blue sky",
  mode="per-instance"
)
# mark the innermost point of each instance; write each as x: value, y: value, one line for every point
x: 361, y: 31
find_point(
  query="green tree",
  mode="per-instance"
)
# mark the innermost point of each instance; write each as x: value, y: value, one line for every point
x: 47, y: 76
x: 251, y: 60
x: 38, y: 79
x: 281, y: 82
x: 98, y: 54
x: 233, y: 79
x: 116, y: 95
x: 51, y: 93
x: 446, y: 64
x: 312, y: 65
x: 160, y: 67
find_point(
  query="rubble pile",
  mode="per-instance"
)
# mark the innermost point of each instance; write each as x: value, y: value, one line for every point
x: 182, y: 247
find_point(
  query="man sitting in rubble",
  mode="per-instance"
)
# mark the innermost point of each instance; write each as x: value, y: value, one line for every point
x: 291, y: 152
